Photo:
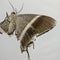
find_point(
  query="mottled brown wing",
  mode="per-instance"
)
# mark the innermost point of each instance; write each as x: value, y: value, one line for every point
x: 21, y: 22
x: 43, y: 24
x: 40, y: 25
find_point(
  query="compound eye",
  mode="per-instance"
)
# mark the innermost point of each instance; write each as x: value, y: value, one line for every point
x: 13, y: 13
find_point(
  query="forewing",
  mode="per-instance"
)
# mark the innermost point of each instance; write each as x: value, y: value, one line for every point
x: 21, y: 22
x: 38, y: 26
x: 43, y: 24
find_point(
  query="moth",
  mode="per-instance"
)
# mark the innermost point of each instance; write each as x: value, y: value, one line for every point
x: 27, y: 27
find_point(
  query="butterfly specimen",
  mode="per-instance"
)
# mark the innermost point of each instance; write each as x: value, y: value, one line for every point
x: 27, y: 27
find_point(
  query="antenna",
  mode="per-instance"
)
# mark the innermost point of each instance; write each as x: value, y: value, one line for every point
x: 11, y: 5
x: 15, y: 9
x: 21, y: 8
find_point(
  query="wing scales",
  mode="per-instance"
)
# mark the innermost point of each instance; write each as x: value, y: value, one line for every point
x: 40, y: 26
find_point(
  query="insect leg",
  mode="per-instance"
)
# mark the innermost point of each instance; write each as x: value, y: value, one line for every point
x: 28, y: 54
x: 31, y: 43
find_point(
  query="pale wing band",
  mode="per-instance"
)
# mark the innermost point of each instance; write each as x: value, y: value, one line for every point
x: 28, y: 26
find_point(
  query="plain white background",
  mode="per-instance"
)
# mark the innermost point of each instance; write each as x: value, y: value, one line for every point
x: 47, y: 46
